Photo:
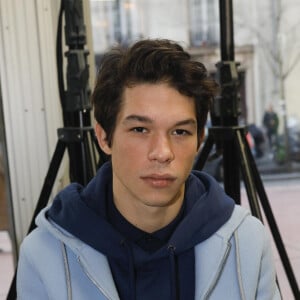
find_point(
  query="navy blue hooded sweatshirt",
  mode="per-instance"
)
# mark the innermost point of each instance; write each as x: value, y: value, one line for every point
x: 156, y: 266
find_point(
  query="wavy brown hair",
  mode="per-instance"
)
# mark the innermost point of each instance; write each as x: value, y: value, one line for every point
x: 150, y: 61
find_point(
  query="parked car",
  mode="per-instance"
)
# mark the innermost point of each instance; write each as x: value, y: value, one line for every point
x: 293, y: 141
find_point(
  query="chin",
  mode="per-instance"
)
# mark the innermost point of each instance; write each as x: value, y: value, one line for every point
x: 161, y: 202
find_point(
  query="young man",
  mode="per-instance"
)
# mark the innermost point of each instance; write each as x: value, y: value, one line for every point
x: 147, y: 227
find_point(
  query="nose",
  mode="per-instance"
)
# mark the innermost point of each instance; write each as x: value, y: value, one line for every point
x: 160, y: 149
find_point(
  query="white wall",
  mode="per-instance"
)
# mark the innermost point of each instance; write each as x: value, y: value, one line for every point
x: 30, y: 97
x: 32, y: 110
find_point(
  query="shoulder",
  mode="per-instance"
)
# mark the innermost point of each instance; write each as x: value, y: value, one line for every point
x: 38, y: 236
x: 246, y: 228
x: 251, y: 236
x: 250, y: 225
x: 39, y: 246
x: 41, y: 271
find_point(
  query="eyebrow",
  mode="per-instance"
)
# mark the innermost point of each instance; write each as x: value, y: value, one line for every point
x: 138, y: 118
x: 145, y: 119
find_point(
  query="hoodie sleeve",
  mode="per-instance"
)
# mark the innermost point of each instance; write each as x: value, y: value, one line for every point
x: 41, y: 273
x: 29, y: 283
x: 267, y: 287
x: 257, y: 267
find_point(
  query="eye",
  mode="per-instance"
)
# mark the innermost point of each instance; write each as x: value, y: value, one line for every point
x: 139, y: 129
x: 181, y: 132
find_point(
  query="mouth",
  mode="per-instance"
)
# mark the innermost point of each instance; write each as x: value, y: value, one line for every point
x: 158, y: 180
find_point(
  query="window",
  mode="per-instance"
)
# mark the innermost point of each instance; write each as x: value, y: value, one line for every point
x: 204, y: 22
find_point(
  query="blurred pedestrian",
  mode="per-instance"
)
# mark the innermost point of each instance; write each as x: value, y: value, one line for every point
x: 271, y: 123
x: 259, y: 139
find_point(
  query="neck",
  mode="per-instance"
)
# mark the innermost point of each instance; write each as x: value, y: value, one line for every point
x: 148, y: 218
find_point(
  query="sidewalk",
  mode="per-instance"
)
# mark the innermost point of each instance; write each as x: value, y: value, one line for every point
x: 6, y: 264
x: 267, y: 165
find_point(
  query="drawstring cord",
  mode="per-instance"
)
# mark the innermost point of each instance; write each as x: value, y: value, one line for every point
x: 173, y: 269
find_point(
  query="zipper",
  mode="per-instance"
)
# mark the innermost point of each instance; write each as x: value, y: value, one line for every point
x: 67, y: 271
x: 210, y: 289
x: 93, y: 280
x: 238, y: 265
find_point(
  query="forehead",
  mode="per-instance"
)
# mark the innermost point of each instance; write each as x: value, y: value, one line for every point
x: 156, y: 100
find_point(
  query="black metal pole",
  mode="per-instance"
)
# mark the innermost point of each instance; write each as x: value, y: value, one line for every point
x: 76, y: 99
x: 226, y: 30
x: 225, y: 109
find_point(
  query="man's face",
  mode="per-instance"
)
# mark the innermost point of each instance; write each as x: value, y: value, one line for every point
x: 153, y: 146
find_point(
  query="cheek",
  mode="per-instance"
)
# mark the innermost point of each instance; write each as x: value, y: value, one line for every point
x: 127, y: 161
x: 190, y: 160
x: 188, y: 149
x: 127, y: 151
x: 187, y: 156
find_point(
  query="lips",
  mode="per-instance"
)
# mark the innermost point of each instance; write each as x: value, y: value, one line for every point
x: 159, y: 180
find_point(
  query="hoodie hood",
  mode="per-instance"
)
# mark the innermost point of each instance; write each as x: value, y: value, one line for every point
x: 74, y: 209
x: 79, y: 217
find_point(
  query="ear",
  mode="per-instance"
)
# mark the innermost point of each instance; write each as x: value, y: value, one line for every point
x: 102, y: 140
